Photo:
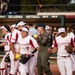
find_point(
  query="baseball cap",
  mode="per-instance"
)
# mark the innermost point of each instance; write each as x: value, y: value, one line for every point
x: 60, y: 30
x: 21, y: 23
x: 2, y: 27
x: 47, y: 28
x: 41, y: 25
x: 24, y: 29
x: 14, y: 26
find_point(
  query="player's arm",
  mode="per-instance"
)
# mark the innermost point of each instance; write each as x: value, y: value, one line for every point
x: 12, y: 42
x: 2, y: 44
x: 19, y: 49
x: 72, y: 44
x: 54, y: 50
x: 34, y: 44
x: 55, y: 47
x: 12, y: 48
x: 73, y: 48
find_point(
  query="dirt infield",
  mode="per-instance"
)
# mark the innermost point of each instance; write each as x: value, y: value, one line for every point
x: 55, y: 70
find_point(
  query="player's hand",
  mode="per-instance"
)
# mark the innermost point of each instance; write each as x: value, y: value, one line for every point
x: 29, y: 53
x: 16, y: 56
x: 38, y: 48
x: 50, y: 50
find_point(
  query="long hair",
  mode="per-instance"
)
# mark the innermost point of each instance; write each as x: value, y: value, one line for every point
x: 7, y: 27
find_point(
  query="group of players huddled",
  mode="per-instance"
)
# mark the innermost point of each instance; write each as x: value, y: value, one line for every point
x: 27, y: 48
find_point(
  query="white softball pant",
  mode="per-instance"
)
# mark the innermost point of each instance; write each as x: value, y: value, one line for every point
x: 28, y: 67
x: 14, y: 64
x: 64, y: 65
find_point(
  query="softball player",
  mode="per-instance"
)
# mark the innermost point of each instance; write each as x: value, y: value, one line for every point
x: 64, y: 61
x: 6, y: 43
x: 27, y: 45
x: 14, y: 63
x: 14, y: 47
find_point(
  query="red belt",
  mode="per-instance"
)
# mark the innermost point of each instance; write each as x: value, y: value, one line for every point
x: 65, y: 56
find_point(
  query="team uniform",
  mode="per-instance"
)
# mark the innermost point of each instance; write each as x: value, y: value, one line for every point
x: 64, y: 61
x: 27, y: 45
x: 14, y: 64
x: 7, y: 51
x: 71, y: 35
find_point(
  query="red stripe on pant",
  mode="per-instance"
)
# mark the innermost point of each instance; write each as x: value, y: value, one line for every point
x: 2, y: 69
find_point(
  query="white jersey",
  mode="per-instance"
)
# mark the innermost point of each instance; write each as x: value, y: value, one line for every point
x: 61, y: 42
x: 15, y: 35
x: 27, y: 44
x: 7, y: 42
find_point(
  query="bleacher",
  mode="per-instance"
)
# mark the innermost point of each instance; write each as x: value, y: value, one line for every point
x: 45, y: 8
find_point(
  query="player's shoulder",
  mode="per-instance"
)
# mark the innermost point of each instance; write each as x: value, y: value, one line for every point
x: 15, y: 31
x: 58, y: 37
x: 9, y: 34
x: 29, y: 37
x: 20, y: 38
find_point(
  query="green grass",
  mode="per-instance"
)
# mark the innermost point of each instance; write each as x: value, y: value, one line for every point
x: 0, y: 59
x: 53, y: 61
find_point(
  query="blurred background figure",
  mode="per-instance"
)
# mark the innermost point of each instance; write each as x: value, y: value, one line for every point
x: 32, y: 30
x: 4, y: 6
x: 50, y: 35
x: 39, y: 4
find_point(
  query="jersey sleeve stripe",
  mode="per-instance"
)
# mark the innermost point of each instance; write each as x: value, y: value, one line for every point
x: 55, y: 43
x: 31, y: 43
x: 72, y: 43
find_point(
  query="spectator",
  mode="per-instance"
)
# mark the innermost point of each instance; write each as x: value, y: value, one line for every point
x: 50, y: 35
x: 4, y: 6
x: 32, y: 30
x: 4, y: 10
